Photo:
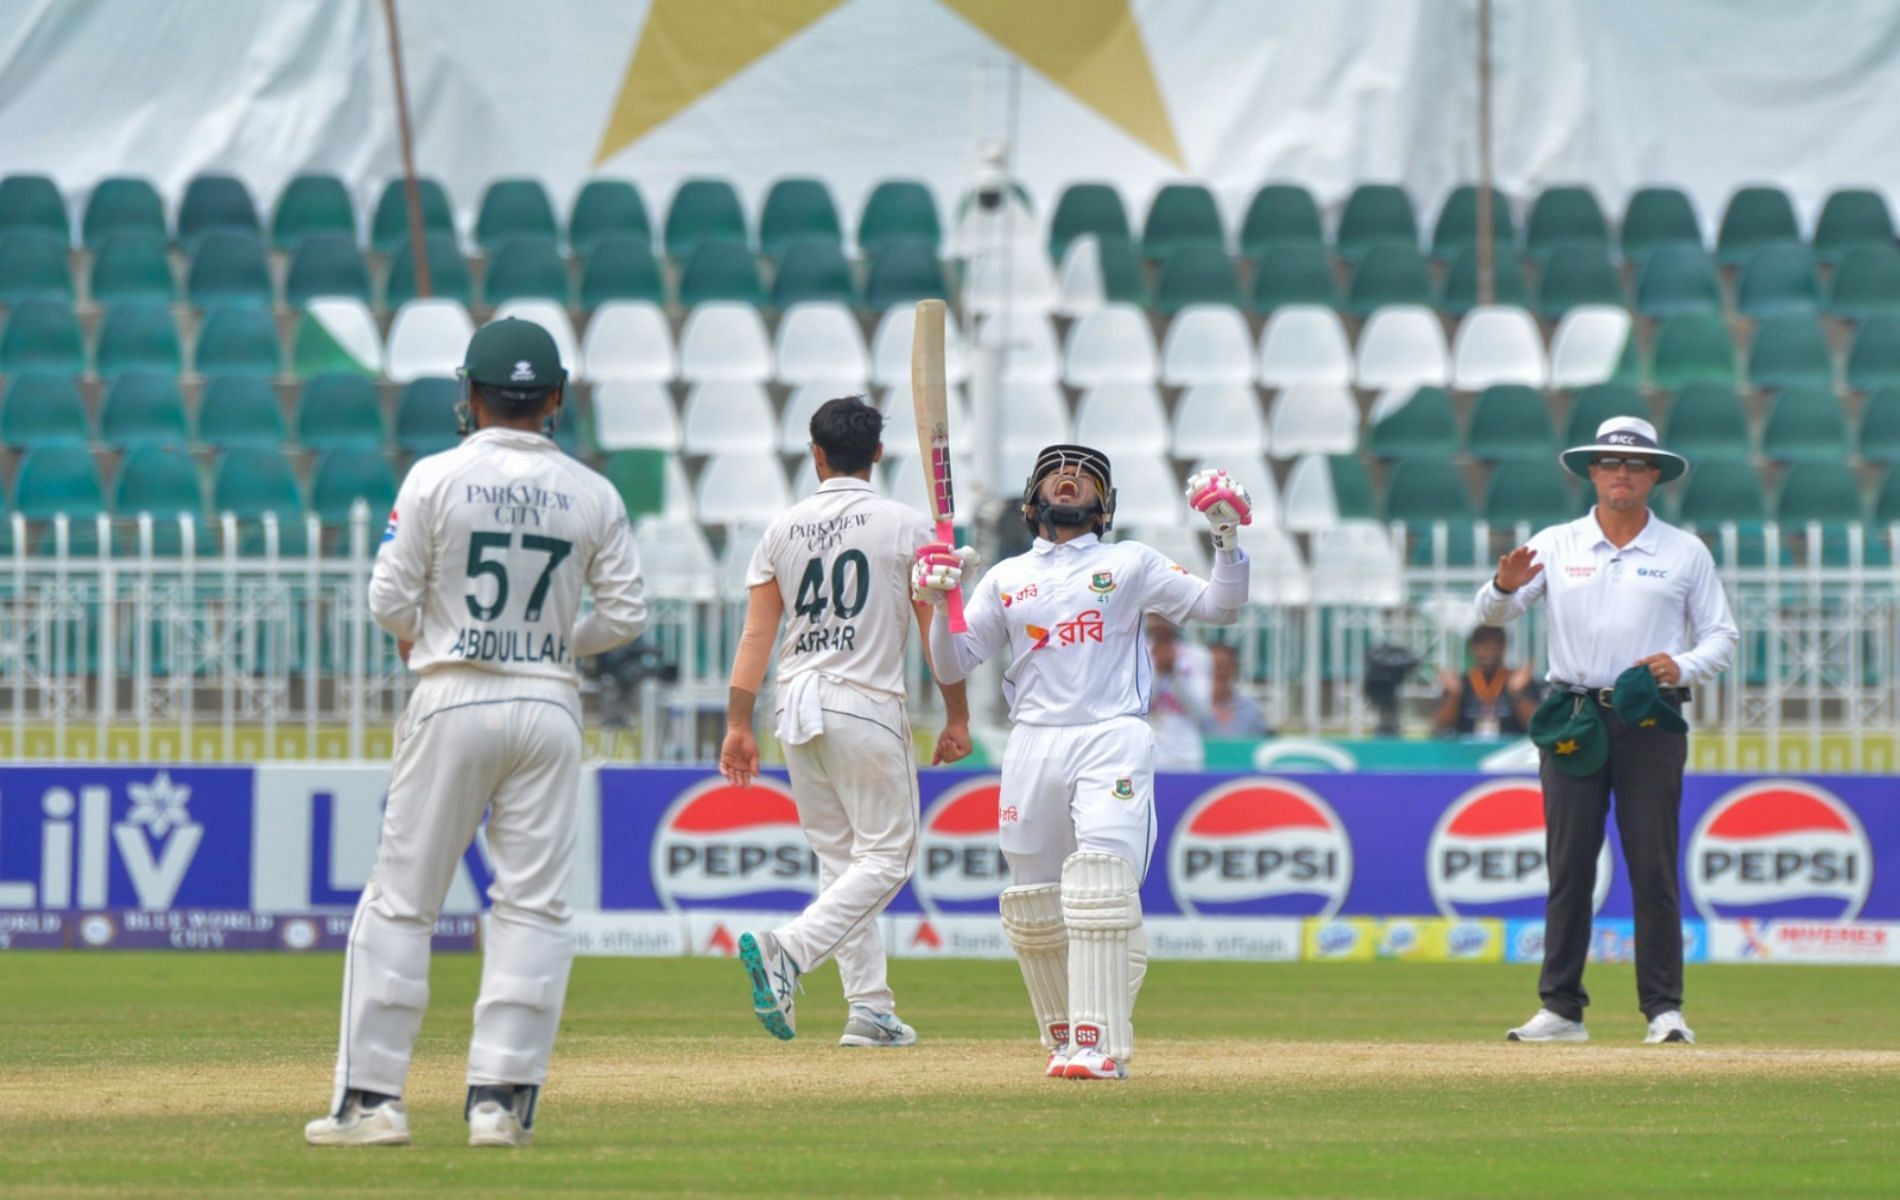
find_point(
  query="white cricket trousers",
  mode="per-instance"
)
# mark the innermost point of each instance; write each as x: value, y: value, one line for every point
x: 1076, y: 787
x: 856, y: 788
x: 469, y: 742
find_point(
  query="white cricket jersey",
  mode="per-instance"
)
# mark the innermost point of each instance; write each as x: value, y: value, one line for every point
x: 842, y: 558
x: 1610, y: 607
x: 483, y: 562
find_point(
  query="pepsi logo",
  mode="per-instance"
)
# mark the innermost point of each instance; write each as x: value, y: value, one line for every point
x: 1486, y: 855
x: 1260, y: 846
x: 718, y: 843
x: 1779, y: 848
x: 959, y: 867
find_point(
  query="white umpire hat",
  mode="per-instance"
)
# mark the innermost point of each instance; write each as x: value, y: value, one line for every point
x: 1625, y: 435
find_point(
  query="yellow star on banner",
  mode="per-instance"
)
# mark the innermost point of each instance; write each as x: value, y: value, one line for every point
x: 1567, y: 747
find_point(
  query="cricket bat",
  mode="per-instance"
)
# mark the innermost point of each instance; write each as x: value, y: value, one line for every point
x: 930, y: 394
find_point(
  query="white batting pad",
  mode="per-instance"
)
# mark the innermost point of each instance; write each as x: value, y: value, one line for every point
x: 525, y: 965
x: 1032, y: 919
x: 1101, y: 908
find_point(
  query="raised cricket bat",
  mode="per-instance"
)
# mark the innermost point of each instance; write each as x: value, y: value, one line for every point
x: 930, y: 395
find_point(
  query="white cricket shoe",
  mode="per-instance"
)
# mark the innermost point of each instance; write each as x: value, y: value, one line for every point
x: 774, y: 980
x: 1669, y: 1027
x: 868, y: 1027
x: 1058, y: 1061
x: 1090, y: 1063
x: 500, y: 1115
x: 1547, y: 1026
x: 387, y: 1124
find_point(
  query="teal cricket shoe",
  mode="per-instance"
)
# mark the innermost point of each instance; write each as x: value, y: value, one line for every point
x: 774, y: 981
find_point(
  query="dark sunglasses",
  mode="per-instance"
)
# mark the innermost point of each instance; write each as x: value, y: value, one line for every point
x: 1611, y: 463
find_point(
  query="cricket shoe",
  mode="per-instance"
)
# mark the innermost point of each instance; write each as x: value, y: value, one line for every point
x: 1547, y: 1026
x: 1669, y: 1027
x: 1090, y: 1063
x: 774, y: 980
x: 383, y: 1123
x: 1058, y: 1062
x: 868, y: 1027
x: 501, y: 1114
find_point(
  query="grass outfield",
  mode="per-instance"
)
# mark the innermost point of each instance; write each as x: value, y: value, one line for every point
x: 173, y: 1074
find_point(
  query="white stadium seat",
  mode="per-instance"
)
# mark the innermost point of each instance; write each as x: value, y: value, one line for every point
x: 904, y: 480
x: 1355, y: 562
x: 1081, y: 288
x: 742, y: 538
x: 635, y: 414
x: 1028, y: 346
x: 1304, y: 343
x: 629, y: 339
x: 1215, y: 418
x: 725, y: 340
x: 1278, y: 575
x: 1308, y: 502
x: 1588, y: 345
x: 728, y: 417
x: 900, y: 420
x: 1402, y: 345
x: 1110, y: 345
x: 1031, y: 416
x: 737, y: 488
x: 1146, y: 491
x: 1026, y: 285
x: 1498, y: 345
x: 553, y: 318
x: 349, y: 323
x: 674, y: 558
x: 428, y: 337
x: 820, y: 340
x: 1121, y: 416
x: 1206, y: 343
x: 1313, y: 419
x: 890, y: 347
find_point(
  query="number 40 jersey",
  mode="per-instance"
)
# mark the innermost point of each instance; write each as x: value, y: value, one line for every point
x: 842, y: 558
x: 483, y: 562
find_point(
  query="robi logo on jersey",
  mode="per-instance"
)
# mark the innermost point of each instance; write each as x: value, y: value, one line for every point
x: 719, y: 844
x: 959, y: 867
x: 1486, y: 855
x: 1260, y: 847
x: 1778, y: 848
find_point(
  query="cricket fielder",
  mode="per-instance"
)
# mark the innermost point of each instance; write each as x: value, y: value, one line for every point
x: 481, y: 570
x: 840, y: 561
x: 1077, y: 806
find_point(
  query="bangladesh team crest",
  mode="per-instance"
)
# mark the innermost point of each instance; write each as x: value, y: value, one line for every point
x: 1124, y: 789
x: 1102, y: 582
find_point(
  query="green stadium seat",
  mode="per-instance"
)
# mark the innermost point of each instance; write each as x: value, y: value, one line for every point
x: 389, y: 226
x: 312, y: 204
x: 1879, y: 438
x: 1086, y: 208
x: 1376, y: 214
x: 1422, y: 427
x: 606, y: 208
x: 572, y: 432
x: 240, y: 410
x: 814, y: 269
x: 526, y: 268
x: 621, y: 268
x: 1692, y: 348
x: 34, y: 202
x: 1657, y: 216
x: 1280, y: 213
x: 448, y: 272
x: 1352, y: 486
x: 1563, y: 216
x: 239, y: 341
x: 1123, y: 281
x: 1529, y: 491
x: 160, y: 480
x: 1887, y: 500
x: 228, y: 269
x: 1676, y: 278
x: 903, y: 273
x: 142, y: 408
x: 43, y: 409
x: 1873, y: 361
x: 1719, y: 491
x: 514, y: 209
x: 1196, y: 273
x: 900, y: 210
x: 797, y: 210
x: 138, y: 336
x: 1851, y: 215
x: 721, y: 270
x: 1293, y: 272
x: 1422, y: 490
x: 1817, y: 491
x: 33, y: 267
x: 1597, y: 404
x: 122, y: 203
x: 344, y: 476
x: 131, y: 264
x: 1578, y: 273
x: 1806, y: 425
x: 1388, y: 273
x: 1511, y: 421
x: 703, y: 210
x: 1457, y: 227
x: 1460, y: 294
x: 1779, y: 281
x: 1182, y: 214
x: 1706, y: 423
x: 425, y: 416
x: 250, y: 481
x: 41, y: 335
x: 58, y: 478
x: 214, y: 203
x: 1755, y: 217
x: 640, y: 478
x: 1790, y: 352
x: 340, y: 412
x: 1866, y: 281
x: 326, y: 263
x: 335, y: 333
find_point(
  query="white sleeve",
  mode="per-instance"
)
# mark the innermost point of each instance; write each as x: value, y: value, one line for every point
x: 955, y: 655
x: 1710, y: 623
x: 762, y: 568
x: 1496, y: 607
x: 401, y: 573
x: 613, y: 575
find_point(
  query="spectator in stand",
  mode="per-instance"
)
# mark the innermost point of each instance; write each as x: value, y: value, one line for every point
x: 1231, y: 713
x: 1490, y: 700
x: 1183, y: 689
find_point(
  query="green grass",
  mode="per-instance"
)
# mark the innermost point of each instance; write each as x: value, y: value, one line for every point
x: 169, y: 1074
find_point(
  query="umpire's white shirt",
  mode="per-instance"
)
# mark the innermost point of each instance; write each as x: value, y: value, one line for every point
x: 1610, y: 607
x: 486, y: 551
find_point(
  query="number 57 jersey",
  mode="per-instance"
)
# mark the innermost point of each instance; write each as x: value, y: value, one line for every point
x: 486, y: 554
x: 841, y: 558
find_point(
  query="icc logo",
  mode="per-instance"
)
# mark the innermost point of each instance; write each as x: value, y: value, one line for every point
x: 157, y: 839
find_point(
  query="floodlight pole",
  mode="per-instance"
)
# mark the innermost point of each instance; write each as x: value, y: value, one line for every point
x: 412, y: 190
x: 1485, y: 260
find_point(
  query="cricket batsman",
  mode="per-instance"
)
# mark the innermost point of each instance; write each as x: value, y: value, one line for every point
x: 1076, y: 821
x: 479, y: 578
x: 839, y: 561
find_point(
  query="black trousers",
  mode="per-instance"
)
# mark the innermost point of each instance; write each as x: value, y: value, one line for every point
x: 1644, y: 772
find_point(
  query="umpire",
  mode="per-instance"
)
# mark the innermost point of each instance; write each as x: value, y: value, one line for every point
x: 1636, y: 616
